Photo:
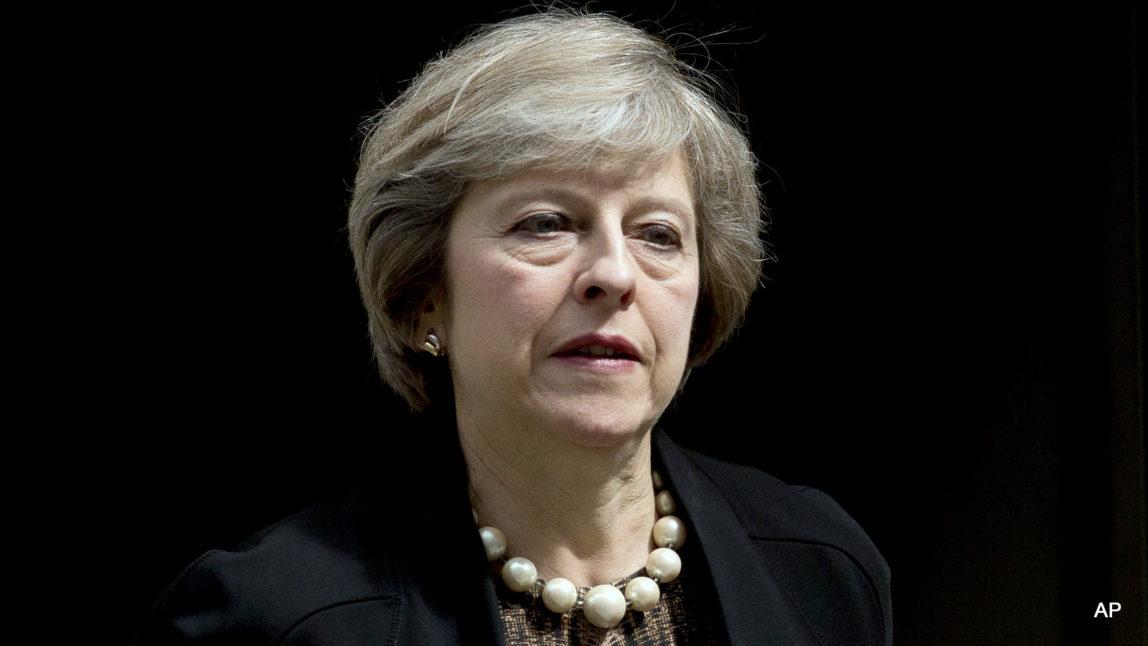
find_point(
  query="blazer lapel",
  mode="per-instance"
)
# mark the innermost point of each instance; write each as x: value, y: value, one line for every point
x: 753, y: 604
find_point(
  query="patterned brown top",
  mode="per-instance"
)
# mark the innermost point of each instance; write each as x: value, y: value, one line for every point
x: 681, y: 618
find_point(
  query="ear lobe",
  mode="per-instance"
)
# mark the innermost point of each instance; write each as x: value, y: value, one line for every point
x: 431, y: 322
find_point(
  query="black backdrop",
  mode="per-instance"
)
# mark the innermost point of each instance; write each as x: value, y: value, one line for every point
x: 947, y: 343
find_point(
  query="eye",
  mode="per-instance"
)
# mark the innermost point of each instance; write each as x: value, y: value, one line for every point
x: 544, y: 224
x: 661, y: 235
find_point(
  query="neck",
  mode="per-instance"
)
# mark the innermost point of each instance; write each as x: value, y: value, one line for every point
x: 582, y: 513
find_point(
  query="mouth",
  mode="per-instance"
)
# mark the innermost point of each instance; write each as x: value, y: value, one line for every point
x: 600, y: 351
x: 599, y: 347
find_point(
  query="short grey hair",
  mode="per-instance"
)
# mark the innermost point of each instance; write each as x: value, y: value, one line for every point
x: 558, y: 89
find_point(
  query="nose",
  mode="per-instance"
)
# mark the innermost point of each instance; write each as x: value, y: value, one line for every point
x: 608, y: 274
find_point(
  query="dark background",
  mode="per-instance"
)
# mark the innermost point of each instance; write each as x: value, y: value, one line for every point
x: 948, y: 343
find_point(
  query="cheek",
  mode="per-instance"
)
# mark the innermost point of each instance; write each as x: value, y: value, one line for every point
x: 496, y: 305
x: 679, y: 305
x: 675, y: 317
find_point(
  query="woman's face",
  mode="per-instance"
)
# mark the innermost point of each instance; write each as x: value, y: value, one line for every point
x: 570, y: 299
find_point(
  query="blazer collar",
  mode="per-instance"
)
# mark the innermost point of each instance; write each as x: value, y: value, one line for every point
x: 754, y: 605
x: 448, y: 593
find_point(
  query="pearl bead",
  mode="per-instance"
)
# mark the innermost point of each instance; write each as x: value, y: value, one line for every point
x: 643, y: 593
x: 605, y: 606
x: 494, y: 542
x: 519, y: 574
x: 664, y: 564
x: 559, y: 595
x: 669, y: 529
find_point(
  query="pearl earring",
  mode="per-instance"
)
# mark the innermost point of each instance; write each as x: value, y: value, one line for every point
x: 433, y: 345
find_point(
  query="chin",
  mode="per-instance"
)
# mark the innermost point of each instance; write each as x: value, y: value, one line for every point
x: 601, y: 425
x: 598, y: 438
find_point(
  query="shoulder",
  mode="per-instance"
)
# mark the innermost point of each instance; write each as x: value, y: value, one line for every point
x: 824, y: 561
x: 772, y: 509
x: 312, y: 571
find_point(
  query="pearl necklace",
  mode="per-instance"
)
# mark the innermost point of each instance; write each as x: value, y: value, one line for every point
x: 604, y: 605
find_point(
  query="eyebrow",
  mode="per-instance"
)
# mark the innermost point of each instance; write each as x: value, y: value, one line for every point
x: 668, y: 205
x: 644, y: 204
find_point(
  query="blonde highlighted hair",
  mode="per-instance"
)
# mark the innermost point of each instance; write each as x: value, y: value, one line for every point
x: 563, y: 90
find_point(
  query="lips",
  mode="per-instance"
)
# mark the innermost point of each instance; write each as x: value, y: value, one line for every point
x: 599, y: 346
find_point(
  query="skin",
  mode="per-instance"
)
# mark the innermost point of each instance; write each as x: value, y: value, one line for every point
x: 557, y: 444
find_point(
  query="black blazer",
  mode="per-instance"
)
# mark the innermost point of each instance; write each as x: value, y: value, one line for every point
x: 402, y: 564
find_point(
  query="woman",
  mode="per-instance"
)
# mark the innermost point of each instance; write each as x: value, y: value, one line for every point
x: 551, y: 226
